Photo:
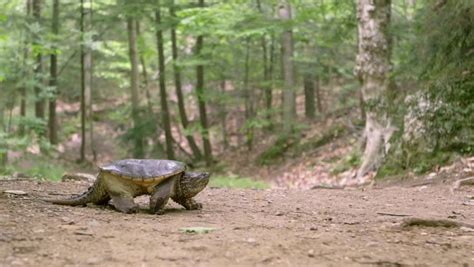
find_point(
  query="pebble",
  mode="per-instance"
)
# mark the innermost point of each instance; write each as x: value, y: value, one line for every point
x: 311, y: 253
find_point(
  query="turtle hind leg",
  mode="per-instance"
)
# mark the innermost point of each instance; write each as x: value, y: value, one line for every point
x: 160, y: 196
x: 188, y: 203
x: 124, y: 203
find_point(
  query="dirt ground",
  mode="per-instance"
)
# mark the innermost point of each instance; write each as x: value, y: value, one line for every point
x: 323, y: 227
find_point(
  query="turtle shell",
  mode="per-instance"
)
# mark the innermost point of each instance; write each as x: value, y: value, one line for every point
x: 144, y: 169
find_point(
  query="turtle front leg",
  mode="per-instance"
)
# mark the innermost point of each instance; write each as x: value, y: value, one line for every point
x: 160, y: 197
x: 188, y: 203
x: 124, y: 203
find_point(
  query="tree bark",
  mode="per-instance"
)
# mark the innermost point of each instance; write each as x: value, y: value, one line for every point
x: 179, y: 92
x: 165, y: 116
x: 289, y: 99
x: 134, y: 84
x: 53, y: 82
x: 373, y: 67
x: 201, y: 100
x: 38, y: 70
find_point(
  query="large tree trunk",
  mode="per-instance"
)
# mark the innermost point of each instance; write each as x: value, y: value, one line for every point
x: 134, y: 81
x: 39, y: 100
x: 289, y: 98
x: 201, y: 100
x: 165, y: 116
x: 179, y: 92
x: 86, y: 81
x: 53, y: 82
x: 373, y: 67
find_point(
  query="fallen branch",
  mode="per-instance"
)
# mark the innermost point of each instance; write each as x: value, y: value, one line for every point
x: 462, y: 182
x: 434, y: 223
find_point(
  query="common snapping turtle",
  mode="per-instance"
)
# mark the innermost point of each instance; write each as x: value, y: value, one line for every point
x: 123, y: 180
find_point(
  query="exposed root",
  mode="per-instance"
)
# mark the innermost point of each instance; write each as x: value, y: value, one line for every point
x: 434, y: 223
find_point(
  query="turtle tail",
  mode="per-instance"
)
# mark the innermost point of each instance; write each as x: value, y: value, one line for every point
x: 95, y: 194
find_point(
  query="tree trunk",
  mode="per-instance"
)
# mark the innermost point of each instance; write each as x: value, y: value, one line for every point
x: 179, y: 92
x: 317, y: 90
x: 53, y: 82
x: 223, y: 114
x: 201, y: 100
x: 309, y: 86
x: 373, y: 67
x: 267, y: 71
x: 26, y: 70
x: 134, y: 80
x: 39, y: 100
x: 86, y: 80
x: 289, y: 99
x: 165, y: 116
x: 248, y: 98
x: 145, y: 75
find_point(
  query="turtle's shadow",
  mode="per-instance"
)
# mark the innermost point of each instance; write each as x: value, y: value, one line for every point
x: 143, y: 209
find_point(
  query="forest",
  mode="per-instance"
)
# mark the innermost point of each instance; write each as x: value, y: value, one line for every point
x: 266, y: 95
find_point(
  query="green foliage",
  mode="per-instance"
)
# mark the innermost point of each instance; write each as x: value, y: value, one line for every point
x: 37, y: 167
x: 352, y: 160
x: 327, y: 136
x: 234, y: 181
x: 277, y: 150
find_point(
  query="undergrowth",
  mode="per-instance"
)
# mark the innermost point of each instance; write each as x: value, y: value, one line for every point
x: 234, y: 181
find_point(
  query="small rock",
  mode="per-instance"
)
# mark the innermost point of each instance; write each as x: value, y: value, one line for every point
x: 279, y: 213
x: 313, y: 228
x: 251, y: 240
x: 311, y: 253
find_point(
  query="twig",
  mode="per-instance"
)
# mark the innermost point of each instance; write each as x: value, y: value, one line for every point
x: 393, y: 214
x: 461, y: 182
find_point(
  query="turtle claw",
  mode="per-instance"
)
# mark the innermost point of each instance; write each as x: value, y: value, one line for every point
x: 160, y: 212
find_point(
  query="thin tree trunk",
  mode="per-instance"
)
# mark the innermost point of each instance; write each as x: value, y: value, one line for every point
x: 179, y: 93
x: 223, y: 114
x: 39, y: 101
x: 165, y: 116
x: 3, y: 146
x: 373, y: 67
x: 134, y: 80
x: 289, y: 99
x: 248, y: 98
x: 309, y: 105
x: 267, y: 71
x: 201, y: 100
x: 145, y: 75
x: 26, y: 70
x: 317, y: 90
x: 86, y: 79
x: 53, y: 82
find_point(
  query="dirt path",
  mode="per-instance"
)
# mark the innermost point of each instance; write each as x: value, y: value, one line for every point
x: 252, y: 228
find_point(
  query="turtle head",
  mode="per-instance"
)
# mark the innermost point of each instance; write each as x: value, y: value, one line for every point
x: 191, y: 183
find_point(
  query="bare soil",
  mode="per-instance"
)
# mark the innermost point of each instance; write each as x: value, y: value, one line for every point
x: 324, y: 227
